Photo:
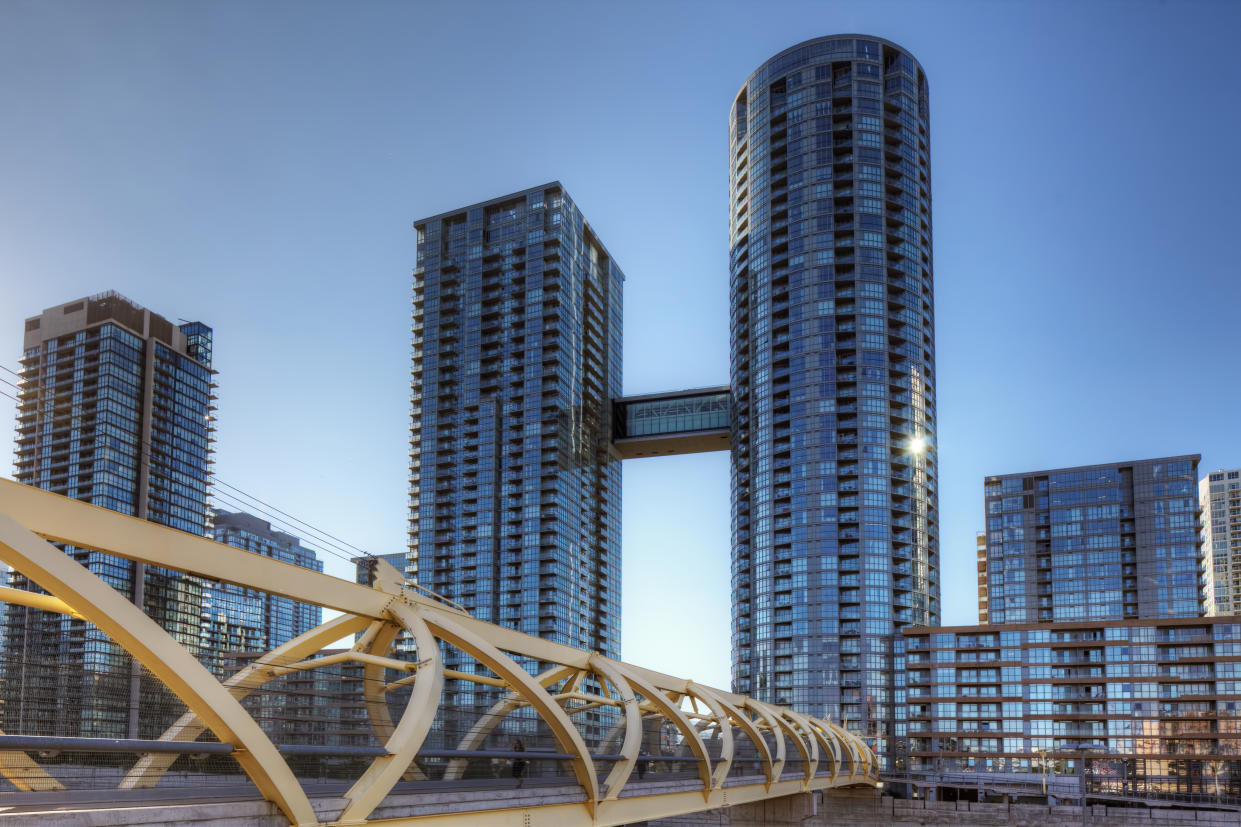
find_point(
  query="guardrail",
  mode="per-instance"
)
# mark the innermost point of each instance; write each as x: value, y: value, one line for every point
x: 1067, y: 787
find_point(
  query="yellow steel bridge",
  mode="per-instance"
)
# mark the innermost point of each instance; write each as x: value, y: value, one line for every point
x: 599, y: 713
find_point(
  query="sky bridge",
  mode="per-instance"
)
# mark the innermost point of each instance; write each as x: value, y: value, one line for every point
x: 674, y: 422
x: 548, y: 734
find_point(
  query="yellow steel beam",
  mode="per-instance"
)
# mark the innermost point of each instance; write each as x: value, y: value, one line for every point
x: 567, y: 736
x: 66, y: 520
x: 726, y: 735
x: 378, y: 638
x: 26, y: 775
x: 382, y: 610
x: 150, y: 767
x: 631, y: 745
x: 383, y: 773
x: 88, y: 526
x: 779, y: 716
x: 407, y: 680
x: 672, y: 712
x: 35, y: 600
x: 745, y: 724
x: 806, y: 742
x: 591, y: 701
x: 343, y: 657
x: 855, y: 758
x: 125, y: 623
x: 500, y: 710
x: 814, y: 738
x: 764, y: 714
x: 472, y: 678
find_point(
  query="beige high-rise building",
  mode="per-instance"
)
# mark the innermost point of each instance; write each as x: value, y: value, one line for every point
x: 1220, y: 495
x: 116, y: 409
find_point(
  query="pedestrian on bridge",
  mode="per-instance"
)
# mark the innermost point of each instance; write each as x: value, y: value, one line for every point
x: 519, y: 763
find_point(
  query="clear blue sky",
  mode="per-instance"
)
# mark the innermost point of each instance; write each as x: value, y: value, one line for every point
x: 257, y: 166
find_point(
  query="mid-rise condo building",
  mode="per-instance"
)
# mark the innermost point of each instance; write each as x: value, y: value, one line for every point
x: 236, y: 618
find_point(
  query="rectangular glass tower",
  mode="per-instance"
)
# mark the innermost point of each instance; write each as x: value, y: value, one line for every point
x: 1096, y: 542
x: 514, y: 491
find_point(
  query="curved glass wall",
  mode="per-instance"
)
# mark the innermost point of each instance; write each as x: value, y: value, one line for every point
x: 835, y: 540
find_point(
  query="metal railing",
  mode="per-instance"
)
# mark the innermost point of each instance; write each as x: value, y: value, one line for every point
x: 1066, y: 787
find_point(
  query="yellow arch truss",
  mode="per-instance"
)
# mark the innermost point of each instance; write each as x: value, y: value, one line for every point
x: 30, y: 518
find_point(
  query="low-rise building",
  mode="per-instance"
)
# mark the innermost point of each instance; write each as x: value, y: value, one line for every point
x: 1155, y: 704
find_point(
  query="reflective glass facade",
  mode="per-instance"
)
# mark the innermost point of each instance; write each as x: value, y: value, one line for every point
x: 1100, y: 542
x: 835, y: 537
x: 116, y: 410
x: 664, y: 415
x: 236, y: 618
x: 515, y: 496
x: 1158, y: 702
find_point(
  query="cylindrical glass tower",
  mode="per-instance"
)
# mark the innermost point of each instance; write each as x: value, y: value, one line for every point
x: 835, y: 536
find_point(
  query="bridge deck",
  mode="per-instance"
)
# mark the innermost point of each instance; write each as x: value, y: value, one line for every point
x: 469, y: 802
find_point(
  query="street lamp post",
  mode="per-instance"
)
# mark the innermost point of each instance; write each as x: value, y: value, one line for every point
x: 1081, y: 775
x: 1081, y: 750
x: 1216, y: 767
x: 1042, y: 760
